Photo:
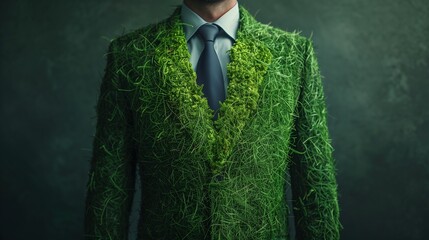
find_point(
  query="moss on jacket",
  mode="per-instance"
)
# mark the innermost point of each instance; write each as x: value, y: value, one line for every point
x: 212, y: 180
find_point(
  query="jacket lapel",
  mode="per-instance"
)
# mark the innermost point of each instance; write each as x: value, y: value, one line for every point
x: 250, y: 59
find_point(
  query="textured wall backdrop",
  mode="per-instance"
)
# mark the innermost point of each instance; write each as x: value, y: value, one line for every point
x: 373, y: 54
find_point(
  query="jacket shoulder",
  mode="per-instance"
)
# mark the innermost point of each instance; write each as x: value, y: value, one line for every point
x: 278, y: 39
x: 132, y: 49
x: 145, y: 33
x: 142, y: 38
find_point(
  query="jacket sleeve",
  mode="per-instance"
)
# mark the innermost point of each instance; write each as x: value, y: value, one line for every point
x: 312, y: 169
x: 110, y: 187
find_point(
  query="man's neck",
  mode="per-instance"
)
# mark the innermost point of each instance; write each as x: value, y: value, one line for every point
x: 210, y: 12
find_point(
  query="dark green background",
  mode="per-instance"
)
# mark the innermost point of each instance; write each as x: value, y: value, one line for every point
x: 373, y: 54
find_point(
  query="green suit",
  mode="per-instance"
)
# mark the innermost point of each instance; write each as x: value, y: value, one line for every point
x: 212, y: 180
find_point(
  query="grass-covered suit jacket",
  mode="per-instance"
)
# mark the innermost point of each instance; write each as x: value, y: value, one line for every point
x: 212, y: 180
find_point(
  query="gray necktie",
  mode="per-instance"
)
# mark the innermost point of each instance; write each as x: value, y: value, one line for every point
x: 209, y: 71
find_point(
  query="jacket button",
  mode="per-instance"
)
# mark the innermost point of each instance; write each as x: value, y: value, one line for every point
x: 218, y: 178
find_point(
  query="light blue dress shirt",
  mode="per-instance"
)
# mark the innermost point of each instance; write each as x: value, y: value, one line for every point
x: 229, y: 24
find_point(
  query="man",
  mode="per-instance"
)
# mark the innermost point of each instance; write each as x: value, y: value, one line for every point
x: 215, y: 108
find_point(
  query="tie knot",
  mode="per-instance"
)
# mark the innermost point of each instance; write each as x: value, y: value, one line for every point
x: 208, y: 32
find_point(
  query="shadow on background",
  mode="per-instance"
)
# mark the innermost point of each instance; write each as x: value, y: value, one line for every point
x: 373, y: 54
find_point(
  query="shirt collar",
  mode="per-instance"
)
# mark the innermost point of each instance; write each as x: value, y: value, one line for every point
x: 228, y: 22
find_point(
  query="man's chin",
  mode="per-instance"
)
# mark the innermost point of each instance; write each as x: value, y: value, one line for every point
x: 210, y: 1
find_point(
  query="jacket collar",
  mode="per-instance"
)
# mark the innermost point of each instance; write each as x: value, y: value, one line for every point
x: 249, y: 62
